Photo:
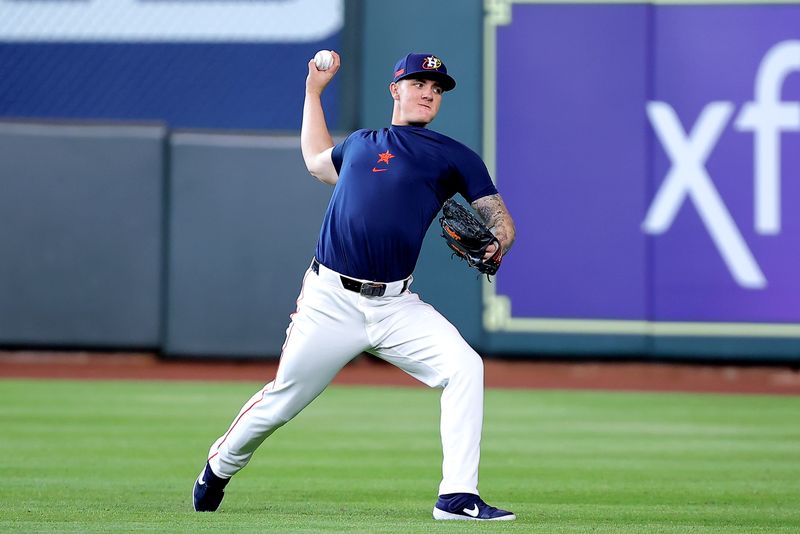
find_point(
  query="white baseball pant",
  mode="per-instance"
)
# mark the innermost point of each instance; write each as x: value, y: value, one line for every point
x: 331, y: 326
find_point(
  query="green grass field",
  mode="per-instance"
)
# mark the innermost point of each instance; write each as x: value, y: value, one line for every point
x: 122, y: 456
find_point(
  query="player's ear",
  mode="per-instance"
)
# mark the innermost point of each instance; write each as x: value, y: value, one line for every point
x: 393, y: 91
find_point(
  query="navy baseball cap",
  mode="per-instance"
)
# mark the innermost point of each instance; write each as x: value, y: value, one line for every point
x: 425, y: 66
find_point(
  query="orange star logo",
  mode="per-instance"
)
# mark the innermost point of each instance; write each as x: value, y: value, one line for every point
x: 385, y: 157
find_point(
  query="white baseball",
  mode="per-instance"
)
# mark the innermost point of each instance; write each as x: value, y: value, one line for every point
x: 323, y: 59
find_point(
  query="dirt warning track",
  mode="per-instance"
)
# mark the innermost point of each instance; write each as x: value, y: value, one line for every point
x: 781, y: 380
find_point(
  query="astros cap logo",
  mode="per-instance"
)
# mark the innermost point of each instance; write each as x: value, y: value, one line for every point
x: 424, y: 65
x: 431, y: 63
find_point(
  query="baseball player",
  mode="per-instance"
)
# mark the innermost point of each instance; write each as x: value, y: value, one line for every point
x: 355, y: 297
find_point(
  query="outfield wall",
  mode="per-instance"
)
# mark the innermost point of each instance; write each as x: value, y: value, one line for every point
x: 194, y: 244
x: 626, y: 245
x: 242, y: 226
x: 81, y: 234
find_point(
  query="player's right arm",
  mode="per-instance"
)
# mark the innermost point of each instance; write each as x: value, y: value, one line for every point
x: 315, y: 139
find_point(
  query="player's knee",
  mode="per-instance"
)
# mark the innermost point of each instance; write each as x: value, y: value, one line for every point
x: 469, y: 365
x: 476, y: 366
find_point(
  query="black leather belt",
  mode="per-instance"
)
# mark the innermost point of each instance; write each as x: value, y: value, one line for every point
x: 368, y: 289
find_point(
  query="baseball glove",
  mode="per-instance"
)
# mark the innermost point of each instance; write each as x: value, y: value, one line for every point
x: 468, y: 237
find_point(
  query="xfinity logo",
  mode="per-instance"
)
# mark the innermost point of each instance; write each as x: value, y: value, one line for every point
x: 689, y: 148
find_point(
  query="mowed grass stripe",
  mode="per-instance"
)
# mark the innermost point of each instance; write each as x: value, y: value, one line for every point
x: 121, y: 456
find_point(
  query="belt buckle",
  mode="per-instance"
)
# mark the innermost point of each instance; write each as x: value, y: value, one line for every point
x: 369, y: 289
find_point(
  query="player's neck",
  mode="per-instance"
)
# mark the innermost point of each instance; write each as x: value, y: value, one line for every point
x: 399, y: 119
x: 417, y: 124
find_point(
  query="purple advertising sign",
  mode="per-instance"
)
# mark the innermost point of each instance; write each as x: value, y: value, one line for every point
x: 650, y: 155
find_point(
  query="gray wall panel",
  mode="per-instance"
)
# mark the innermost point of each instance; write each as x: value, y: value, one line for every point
x: 80, y: 234
x: 244, y: 220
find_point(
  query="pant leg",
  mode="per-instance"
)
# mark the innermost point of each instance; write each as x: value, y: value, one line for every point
x: 324, y: 334
x: 416, y: 338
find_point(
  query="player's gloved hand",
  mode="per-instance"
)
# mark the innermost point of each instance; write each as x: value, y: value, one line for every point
x: 491, y: 250
x: 469, y: 238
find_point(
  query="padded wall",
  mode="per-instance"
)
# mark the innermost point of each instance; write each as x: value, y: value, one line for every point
x: 81, y: 234
x: 244, y: 217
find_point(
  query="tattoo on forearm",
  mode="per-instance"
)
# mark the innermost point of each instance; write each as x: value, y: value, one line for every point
x: 495, y: 215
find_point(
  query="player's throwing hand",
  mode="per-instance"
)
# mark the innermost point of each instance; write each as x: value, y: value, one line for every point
x: 317, y: 79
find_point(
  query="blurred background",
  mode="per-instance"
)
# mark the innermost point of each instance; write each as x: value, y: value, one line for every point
x: 153, y: 196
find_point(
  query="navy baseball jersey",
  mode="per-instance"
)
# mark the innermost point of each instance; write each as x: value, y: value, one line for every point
x: 392, y: 183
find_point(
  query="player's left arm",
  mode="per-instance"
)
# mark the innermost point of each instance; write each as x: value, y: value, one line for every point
x: 495, y: 215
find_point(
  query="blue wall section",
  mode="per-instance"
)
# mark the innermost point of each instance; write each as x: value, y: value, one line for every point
x: 234, y: 86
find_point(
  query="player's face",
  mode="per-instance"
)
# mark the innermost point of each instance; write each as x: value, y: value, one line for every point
x: 417, y: 100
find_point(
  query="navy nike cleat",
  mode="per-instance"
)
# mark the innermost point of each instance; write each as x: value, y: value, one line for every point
x: 468, y: 507
x: 208, y: 491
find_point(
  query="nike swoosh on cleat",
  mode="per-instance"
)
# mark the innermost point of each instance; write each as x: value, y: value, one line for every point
x: 472, y: 513
x: 375, y: 169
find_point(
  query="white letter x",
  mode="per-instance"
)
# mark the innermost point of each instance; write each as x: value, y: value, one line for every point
x: 688, y: 177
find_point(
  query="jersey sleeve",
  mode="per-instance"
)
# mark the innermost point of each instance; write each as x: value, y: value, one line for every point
x: 337, y: 154
x: 474, y: 181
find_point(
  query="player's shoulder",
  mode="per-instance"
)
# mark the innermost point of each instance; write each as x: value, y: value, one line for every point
x: 457, y: 150
x: 454, y: 144
x: 459, y: 155
x: 361, y: 133
x: 433, y: 135
x: 356, y: 139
